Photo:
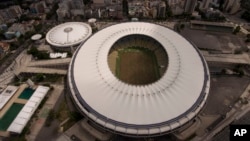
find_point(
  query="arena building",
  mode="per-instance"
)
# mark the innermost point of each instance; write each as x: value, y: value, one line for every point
x: 138, y: 79
x: 67, y: 35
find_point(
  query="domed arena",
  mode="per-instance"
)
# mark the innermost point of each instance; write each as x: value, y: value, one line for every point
x: 68, y: 34
x: 138, y: 79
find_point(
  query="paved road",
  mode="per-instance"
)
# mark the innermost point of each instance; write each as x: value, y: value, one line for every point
x: 12, y: 57
x: 236, y: 113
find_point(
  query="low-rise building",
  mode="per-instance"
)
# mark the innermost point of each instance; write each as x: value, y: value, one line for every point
x: 231, y: 6
x: 68, y: 8
x: 3, y: 27
x: 4, y: 49
x: 39, y: 7
x: 18, y: 29
x: 12, y: 34
x: 9, y: 14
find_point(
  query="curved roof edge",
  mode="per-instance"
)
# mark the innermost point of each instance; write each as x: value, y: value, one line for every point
x: 63, y: 45
x: 141, y: 130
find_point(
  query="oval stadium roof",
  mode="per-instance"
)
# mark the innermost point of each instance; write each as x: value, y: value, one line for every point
x: 144, y: 110
x: 68, y: 34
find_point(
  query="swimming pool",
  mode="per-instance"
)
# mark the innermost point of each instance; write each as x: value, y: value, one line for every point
x: 10, y: 115
x: 26, y: 94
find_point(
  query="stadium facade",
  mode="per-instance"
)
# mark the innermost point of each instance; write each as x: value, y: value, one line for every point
x: 139, y: 110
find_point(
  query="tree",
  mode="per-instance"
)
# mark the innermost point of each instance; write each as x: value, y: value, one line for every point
x: 169, y: 12
x: 24, y: 17
x: 18, y: 2
x: 245, y: 4
x: 223, y: 71
x: 33, y: 50
x: 238, y: 51
x: 86, y: 1
x: 39, y: 77
x: 246, y: 16
x: 248, y: 35
x: 2, y: 37
x: 52, y: 11
x: 38, y: 27
x: 125, y: 7
x: 28, y: 34
x: 182, y: 26
x: 248, y: 38
x: 236, y: 30
x: 221, y: 3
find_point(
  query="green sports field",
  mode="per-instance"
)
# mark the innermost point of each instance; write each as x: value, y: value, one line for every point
x: 137, y: 66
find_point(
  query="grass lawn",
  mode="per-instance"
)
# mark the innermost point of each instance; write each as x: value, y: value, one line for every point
x: 137, y: 66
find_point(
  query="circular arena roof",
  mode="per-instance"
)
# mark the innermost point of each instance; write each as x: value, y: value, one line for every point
x: 36, y: 37
x: 68, y: 34
x: 139, y: 110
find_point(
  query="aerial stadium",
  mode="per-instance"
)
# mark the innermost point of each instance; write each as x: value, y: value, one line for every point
x: 138, y: 79
x: 68, y: 35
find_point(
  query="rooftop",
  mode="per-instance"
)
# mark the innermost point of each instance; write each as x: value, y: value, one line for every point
x: 68, y: 34
x: 145, y: 109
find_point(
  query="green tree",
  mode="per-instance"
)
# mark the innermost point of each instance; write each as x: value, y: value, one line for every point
x: 87, y: 1
x: 52, y: 11
x: 169, y: 12
x: 125, y: 7
x: 33, y: 51
x: 246, y: 16
x: 236, y: 30
x: 38, y: 27
x: 248, y: 35
x: 24, y: 17
x: 39, y: 77
x: 2, y: 37
x: 182, y: 26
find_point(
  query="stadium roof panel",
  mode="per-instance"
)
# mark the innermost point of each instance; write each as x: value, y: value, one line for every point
x: 68, y: 34
x: 159, y: 107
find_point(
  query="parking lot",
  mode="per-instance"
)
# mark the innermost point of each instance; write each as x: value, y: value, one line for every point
x: 213, y: 40
x: 224, y: 92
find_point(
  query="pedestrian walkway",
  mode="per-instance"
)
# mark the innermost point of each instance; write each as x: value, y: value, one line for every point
x: 50, y: 62
x: 32, y: 70
x: 227, y: 58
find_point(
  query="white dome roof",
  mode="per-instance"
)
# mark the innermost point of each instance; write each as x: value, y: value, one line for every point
x: 36, y: 37
x: 143, y: 110
x: 68, y: 34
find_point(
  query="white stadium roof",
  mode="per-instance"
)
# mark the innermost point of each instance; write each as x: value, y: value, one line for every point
x: 68, y: 34
x: 142, y: 110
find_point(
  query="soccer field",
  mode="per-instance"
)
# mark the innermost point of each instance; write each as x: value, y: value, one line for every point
x: 137, y: 66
